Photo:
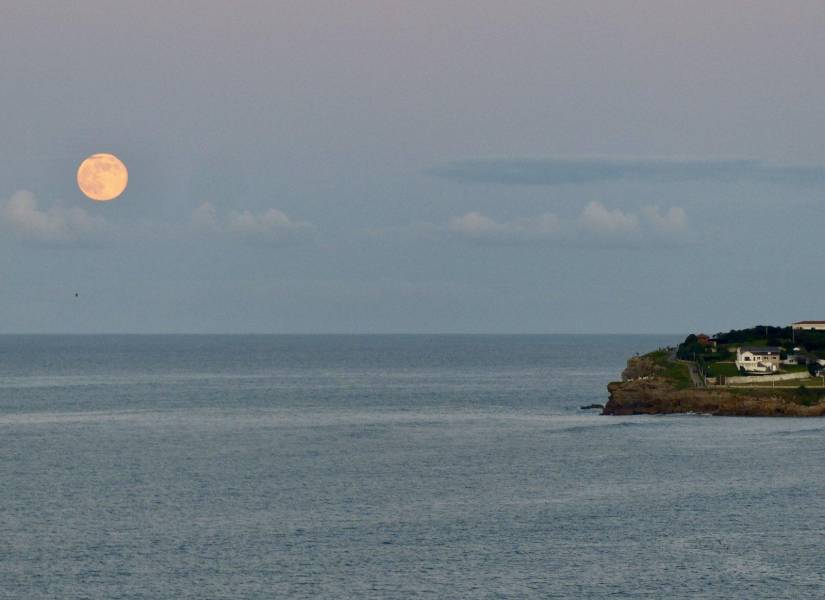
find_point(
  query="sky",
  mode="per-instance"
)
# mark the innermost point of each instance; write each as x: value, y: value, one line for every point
x: 388, y: 167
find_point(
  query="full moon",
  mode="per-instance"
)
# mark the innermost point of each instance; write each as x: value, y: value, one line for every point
x: 102, y: 177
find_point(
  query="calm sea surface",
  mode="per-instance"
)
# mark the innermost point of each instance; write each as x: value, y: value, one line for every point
x: 386, y: 467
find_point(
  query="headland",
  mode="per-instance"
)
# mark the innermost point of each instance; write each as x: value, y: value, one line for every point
x: 761, y: 371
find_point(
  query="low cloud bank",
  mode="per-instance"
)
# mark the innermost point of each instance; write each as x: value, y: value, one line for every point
x: 475, y: 225
x: 271, y: 226
x: 595, y: 223
x: 23, y: 216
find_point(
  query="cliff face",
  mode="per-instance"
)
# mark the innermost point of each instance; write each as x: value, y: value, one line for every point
x: 657, y: 395
x: 640, y: 366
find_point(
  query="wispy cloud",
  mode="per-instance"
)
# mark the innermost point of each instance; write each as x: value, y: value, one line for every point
x: 56, y: 224
x: 599, y: 219
x: 579, y: 171
x: 271, y: 226
x: 671, y: 222
x: 596, y: 224
x: 475, y: 225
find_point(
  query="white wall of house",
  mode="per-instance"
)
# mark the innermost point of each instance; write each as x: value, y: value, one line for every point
x: 757, y: 363
x: 765, y: 378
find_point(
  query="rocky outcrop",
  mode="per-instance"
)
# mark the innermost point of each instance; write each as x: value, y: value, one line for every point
x: 640, y: 367
x: 656, y: 395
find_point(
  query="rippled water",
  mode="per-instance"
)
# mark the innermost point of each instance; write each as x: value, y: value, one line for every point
x: 385, y: 467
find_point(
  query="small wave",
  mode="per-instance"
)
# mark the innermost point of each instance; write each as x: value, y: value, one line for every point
x: 806, y: 432
x: 45, y: 418
x: 612, y: 425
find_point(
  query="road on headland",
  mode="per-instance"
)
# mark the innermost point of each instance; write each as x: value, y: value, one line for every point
x: 693, y: 369
x: 695, y: 376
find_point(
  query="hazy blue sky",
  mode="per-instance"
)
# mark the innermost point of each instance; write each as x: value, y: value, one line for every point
x: 381, y: 166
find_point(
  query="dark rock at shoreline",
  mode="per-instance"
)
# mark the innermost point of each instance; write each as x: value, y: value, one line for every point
x: 592, y: 406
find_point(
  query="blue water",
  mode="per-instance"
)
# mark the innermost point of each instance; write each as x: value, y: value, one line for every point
x: 386, y: 467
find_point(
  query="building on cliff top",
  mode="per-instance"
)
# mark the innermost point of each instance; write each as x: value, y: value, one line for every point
x: 809, y: 325
x: 758, y: 359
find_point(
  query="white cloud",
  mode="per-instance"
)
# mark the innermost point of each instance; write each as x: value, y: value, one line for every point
x: 56, y: 224
x: 595, y: 224
x: 475, y: 225
x: 672, y: 222
x: 599, y: 219
x: 271, y: 226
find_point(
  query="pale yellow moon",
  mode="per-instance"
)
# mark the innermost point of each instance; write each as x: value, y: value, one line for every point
x: 102, y: 177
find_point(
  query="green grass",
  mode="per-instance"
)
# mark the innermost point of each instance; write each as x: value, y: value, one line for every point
x: 676, y: 372
x: 724, y: 369
x: 794, y: 368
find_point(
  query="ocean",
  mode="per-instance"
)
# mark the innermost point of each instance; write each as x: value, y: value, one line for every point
x: 395, y: 466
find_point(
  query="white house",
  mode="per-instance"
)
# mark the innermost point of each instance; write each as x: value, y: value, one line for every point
x: 809, y: 325
x: 758, y: 359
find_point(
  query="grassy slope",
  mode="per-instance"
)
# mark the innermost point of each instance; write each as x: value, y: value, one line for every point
x: 676, y: 372
x: 727, y: 369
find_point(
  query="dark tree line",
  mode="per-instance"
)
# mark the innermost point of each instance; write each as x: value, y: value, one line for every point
x: 760, y: 332
x: 785, y: 337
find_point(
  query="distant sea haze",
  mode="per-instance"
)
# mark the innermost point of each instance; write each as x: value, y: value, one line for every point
x: 385, y: 467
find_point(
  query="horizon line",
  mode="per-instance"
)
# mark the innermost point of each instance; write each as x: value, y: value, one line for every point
x: 330, y: 333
